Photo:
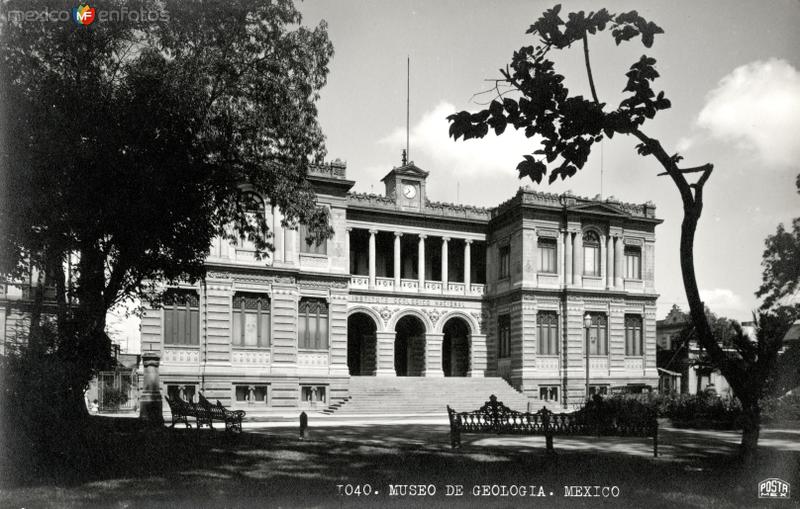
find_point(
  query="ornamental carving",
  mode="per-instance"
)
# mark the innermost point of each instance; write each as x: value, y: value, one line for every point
x: 434, y: 315
x: 386, y: 314
x: 481, y: 319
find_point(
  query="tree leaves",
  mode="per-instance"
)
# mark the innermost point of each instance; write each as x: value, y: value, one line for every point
x: 567, y: 125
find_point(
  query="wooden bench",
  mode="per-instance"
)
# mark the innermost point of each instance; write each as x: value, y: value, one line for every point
x: 496, y: 418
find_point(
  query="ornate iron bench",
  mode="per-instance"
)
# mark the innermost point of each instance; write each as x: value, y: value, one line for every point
x: 496, y: 418
x: 231, y: 418
x: 181, y: 411
x: 204, y: 413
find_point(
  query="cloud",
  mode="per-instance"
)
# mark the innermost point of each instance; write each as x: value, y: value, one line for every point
x: 431, y: 143
x: 757, y: 106
x: 724, y: 302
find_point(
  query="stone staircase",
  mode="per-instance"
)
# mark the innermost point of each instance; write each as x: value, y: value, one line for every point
x: 409, y: 395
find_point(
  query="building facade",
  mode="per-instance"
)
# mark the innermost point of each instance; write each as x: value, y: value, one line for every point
x: 410, y: 287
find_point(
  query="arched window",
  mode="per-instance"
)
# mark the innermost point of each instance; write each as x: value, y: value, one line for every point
x: 181, y: 318
x: 252, y: 203
x: 633, y: 335
x: 251, y: 320
x: 591, y: 254
x: 312, y: 324
x: 547, y: 330
x: 598, y: 334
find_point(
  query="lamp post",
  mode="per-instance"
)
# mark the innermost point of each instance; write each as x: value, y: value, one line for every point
x: 587, y: 324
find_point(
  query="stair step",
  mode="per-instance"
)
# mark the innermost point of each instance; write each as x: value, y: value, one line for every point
x: 411, y: 395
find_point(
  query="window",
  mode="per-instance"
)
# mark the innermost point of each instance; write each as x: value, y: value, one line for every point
x: 313, y: 394
x: 601, y: 390
x: 251, y: 394
x: 547, y: 330
x: 250, y: 320
x: 505, y: 262
x: 503, y: 336
x: 547, y: 255
x: 312, y: 324
x: 548, y: 393
x: 633, y: 335
x: 181, y: 318
x: 320, y: 248
x: 185, y: 392
x: 633, y: 262
x: 591, y: 254
x: 598, y: 335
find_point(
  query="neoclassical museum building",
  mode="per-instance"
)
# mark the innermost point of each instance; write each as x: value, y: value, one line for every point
x: 407, y: 287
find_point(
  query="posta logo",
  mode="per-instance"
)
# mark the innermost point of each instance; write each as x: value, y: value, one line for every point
x: 83, y: 14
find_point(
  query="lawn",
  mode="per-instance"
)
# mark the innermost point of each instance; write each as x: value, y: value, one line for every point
x: 119, y: 465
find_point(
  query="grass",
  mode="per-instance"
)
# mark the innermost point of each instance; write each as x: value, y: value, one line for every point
x: 112, y: 463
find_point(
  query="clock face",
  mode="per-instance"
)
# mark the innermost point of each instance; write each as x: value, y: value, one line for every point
x: 409, y: 191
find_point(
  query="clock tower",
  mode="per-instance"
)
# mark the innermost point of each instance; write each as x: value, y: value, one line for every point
x: 406, y: 185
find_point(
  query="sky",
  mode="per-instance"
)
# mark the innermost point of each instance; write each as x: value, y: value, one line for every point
x: 731, y: 70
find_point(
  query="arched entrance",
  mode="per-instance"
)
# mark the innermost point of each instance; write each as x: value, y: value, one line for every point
x: 455, y: 347
x: 361, y: 345
x: 409, y: 346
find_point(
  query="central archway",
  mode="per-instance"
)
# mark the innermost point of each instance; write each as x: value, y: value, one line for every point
x: 455, y: 347
x: 361, y: 352
x: 409, y: 347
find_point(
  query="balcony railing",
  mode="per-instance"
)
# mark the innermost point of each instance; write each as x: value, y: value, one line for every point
x: 388, y: 284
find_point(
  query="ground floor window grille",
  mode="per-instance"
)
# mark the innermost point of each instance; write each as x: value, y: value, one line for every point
x: 548, y: 393
x: 601, y: 390
x: 251, y: 394
x: 186, y: 392
x: 313, y: 394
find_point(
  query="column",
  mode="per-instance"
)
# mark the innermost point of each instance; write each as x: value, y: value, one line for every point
x: 433, y: 355
x: 467, y: 266
x: 609, y: 261
x: 372, y: 258
x: 397, y: 264
x: 445, y: 274
x: 384, y: 354
x: 421, y: 261
x: 347, y: 247
x: 619, y: 258
x: 577, y: 258
x: 277, y: 234
x: 290, y: 244
x: 568, y: 261
x: 561, y: 268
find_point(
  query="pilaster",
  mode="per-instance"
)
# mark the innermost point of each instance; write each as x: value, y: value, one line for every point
x: 433, y: 355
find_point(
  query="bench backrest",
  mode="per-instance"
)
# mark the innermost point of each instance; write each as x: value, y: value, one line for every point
x: 494, y: 416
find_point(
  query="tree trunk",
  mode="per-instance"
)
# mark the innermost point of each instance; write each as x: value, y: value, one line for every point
x: 751, y: 428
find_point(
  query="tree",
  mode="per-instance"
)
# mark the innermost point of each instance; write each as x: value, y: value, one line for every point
x: 781, y: 263
x: 130, y: 143
x: 535, y: 99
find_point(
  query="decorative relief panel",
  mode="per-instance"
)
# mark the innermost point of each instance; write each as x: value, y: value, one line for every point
x: 250, y: 357
x: 181, y: 356
x: 310, y: 284
x: 481, y: 319
x: 598, y: 363
x: 319, y: 262
x: 319, y: 359
x: 434, y: 286
x: 547, y: 363
x: 434, y: 315
x: 633, y: 363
